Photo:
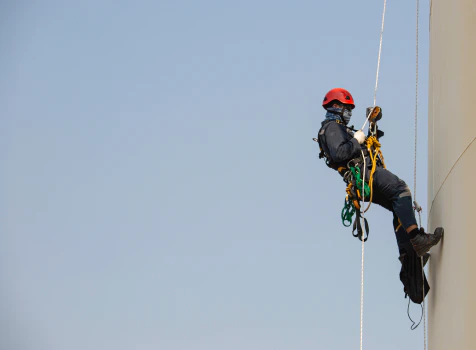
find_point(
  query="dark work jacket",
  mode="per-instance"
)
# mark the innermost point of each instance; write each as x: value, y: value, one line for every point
x: 338, y: 143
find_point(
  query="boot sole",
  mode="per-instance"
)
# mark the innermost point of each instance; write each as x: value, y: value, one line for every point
x: 440, y: 231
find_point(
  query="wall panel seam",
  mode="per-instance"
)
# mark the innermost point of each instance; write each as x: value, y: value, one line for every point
x: 442, y: 184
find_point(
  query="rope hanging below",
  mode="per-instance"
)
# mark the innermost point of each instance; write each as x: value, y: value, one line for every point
x: 363, y: 188
x: 416, y: 206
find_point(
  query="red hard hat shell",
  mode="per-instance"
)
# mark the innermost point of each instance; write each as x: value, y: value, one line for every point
x: 339, y: 94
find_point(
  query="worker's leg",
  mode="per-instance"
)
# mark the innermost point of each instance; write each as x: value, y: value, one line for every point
x: 400, y: 234
x: 403, y: 238
x: 388, y: 187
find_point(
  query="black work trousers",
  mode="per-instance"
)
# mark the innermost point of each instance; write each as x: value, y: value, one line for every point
x: 392, y: 193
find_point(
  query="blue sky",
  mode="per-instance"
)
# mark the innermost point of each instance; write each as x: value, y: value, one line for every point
x: 160, y: 186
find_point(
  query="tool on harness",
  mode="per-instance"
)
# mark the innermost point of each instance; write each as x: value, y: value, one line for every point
x: 352, y: 207
x: 358, y: 227
x: 375, y: 113
x: 352, y: 202
x: 359, y: 182
x: 347, y: 212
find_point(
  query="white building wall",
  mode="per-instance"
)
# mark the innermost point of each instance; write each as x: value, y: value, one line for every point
x: 452, y: 174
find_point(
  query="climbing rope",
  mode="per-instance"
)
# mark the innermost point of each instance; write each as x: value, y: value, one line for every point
x: 417, y: 207
x: 378, y: 61
x: 362, y: 265
x: 379, y: 52
x: 363, y: 185
x: 416, y: 105
x: 372, y: 142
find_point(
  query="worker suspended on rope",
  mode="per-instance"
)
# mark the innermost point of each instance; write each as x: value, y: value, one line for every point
x: 344, y: 150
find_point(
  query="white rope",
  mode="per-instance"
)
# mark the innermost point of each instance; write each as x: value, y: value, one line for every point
x: 363, y: 181
x: 362, y: 294
x: 378, y: 62
x: 416, y: 106
x: 424, y: 305
x: 380, y: 51
x: 415, y: 165
x: 363, y: 252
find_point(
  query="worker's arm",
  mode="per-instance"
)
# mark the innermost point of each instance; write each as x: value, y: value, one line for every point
x: 341, y: 145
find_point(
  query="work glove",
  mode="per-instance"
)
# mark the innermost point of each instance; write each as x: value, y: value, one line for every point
x: 359, y: 136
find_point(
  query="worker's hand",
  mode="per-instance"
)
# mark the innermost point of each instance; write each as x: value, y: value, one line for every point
x: 360, y: 136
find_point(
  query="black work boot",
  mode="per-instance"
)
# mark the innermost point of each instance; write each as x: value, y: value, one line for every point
x: 422, y: 242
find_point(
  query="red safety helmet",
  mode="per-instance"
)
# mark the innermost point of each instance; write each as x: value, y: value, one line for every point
x: 339, y: 94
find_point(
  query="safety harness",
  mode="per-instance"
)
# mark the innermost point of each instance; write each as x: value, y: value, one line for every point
x: 351, y: 173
